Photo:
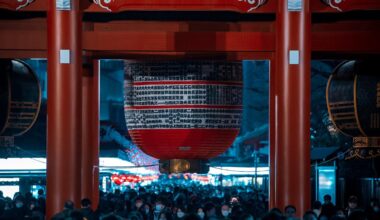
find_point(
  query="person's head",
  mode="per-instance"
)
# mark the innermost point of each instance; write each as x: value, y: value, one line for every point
x: 159, y: 206
x: 200, y: 213
x: 247, y: 217
x: 353, y: 202
x: 85, y: 203
x: 327, y: 199
x: 19, y: 202
x: 276, y: 210
x: 209, y: 209
x: 135, y: 216
x: 373, y: 202
x: 40, y: 192
x: 69, y: 205
x: 290, y: 211
x: 272, y: 216
x: 340, y: 213
x: 165, y: 216
x: 376, y: 207
x: 225, y: 210
x: 180, y: 212
x: 317, y: 205
x: 76, y: 215
x: 310, y: 215
x: 147, y: 209
x: 192, y: 216
x: 138, y: 203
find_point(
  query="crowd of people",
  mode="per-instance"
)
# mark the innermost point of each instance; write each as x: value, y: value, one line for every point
x: 175, y: 202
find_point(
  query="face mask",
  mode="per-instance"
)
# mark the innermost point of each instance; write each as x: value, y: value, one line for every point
x: 180, y: 214
x: 146, y: 211
x: 139, y: 204
x: 225, y: 213
x: 19, y: 205
x: 376, y: 209
x: 167, y: 190
x: 201, y: 215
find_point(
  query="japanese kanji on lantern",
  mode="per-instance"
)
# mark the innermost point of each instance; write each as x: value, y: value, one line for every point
x: 353, y: 102
x: 183, y: 112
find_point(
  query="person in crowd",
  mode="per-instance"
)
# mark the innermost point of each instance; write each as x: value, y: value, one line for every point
x: 20, y: 209
x: 210, y: 210
x: 200, y: 213
x: 225, y: 211
x: 352, y: 205
x: 66, y: 212
x: 159, y: 208
x: 374, y: 209
x: 86, y: 210
x: 310, y: 215
x: 357, y: 214
x: 165, y: 215
x: 328, y: 208
x: 273, y: 215
x: 180, y: 213
x: 246, y: 217
x: 317, y: 208
x: 290, y: 211
x: 340, y: 214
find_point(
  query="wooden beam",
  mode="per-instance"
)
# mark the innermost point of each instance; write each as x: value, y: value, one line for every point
x: 331, y: 6
x: 231, y: 56
x: 347, y: 42
x: 178, y: 41
x: 241, y: 6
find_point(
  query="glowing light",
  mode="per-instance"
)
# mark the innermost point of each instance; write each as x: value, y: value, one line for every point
x: 238, y: 171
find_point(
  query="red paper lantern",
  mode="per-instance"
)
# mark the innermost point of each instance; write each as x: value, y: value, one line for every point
x: 183, y: 110
x: 117, y: 179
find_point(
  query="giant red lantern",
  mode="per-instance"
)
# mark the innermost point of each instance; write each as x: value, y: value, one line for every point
x: 183, y: 112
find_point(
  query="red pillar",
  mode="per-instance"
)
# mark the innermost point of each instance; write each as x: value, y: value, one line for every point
x: 292, y: 145
x: 272, y: 133
x: 90, y: 133
x: 64, y: 106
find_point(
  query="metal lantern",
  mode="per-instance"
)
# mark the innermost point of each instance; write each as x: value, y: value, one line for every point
x: 20, y: 97
x: 353, y: 102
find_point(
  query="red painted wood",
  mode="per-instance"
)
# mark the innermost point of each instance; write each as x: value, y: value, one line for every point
x: 14, y: 5
x: 344, y: 5
x: 178, y: 41
x: 64, y: 109
x: 242, y: 6
x: 272, y: 134
x: 90, y: 134
x: 292, y: 125
x: 237, y: 45
x: 317, y: 6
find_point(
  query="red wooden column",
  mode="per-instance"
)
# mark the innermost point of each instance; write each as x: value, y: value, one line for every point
x: 90, y: 133
x: 292, y: 97
x: 64, y: 105
x: 272, y: 133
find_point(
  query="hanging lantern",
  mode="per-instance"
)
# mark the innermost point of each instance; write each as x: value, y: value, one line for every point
x: 20, y: 97
x: 183, y: 112
x: 117, y: 179
x: 353, y: 102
